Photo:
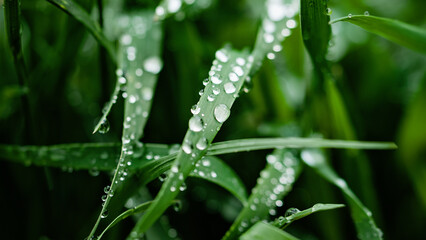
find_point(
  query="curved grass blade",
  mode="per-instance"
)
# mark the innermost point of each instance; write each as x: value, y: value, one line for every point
x: 140, y: 43
x: 265, y: 231
x: 274, y: 183
x: 83, y: 17
x: 362, y: 217
x: 399, y: 32
x: 294, y: 214
x: 135, y: 210
x: 83, y: 156
x: 227, y: 77
x: 279, y: 19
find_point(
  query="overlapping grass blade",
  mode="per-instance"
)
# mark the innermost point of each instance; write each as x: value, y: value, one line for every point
x: 294, y: 214
x: 265, y: 231
x: 279, y: 18
x: 274, y: 183
x: 227, y: 76
x: 399, y: 32
x: 135, y: 210
x: 362, y: 217
x: 140, y: 43
x: 103, y: 155
x: 76, y: 11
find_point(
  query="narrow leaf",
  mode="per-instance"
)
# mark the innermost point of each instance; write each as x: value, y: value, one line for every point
x: 265, y: 231
x: 212, y: 110
x: 274, y: 183
x: 362, y: 217
x: 399, y: 32
x: 76, y: 11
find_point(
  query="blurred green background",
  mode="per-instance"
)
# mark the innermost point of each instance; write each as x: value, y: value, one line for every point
x: 383, y: 87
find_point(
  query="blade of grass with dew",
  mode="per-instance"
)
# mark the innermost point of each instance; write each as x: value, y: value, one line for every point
x: 277, y: 24
x: 227, y: 76
x: 275, y: 181
x: 396, y: 31
x: 168, y: 8
x: 135, y: 210
x: 293, y: 214
x: 85, y: 155
x: 265, y: 231
x: 362, y: 217
x: 139, y: 45
x: 73, y: 9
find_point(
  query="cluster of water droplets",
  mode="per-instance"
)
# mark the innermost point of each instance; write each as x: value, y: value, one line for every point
x: 274, y: 182
x: 278, y: 24
x: 176, y: 7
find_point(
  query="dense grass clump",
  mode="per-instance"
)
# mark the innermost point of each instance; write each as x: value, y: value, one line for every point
x: 212, y: 119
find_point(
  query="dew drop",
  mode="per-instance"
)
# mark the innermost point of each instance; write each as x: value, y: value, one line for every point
x: 213, y: 174
x: 205, y: 82
x: 173, y: 5
x: 233, y: 77
x: 291, y: 211
x: 221, y: 113
x: 94, y: 172
x: 268, y: 38
x: 216, y: 80
x: 277, y: 48
x: 126, y: 39
x: 195, y: 109
x: 291, y: 23
x: 122, y: 80
x: 211, y: 97
x: 366, y: 13
x: 104, y: 127
x: 195, y: 124
x: 279, y: 203
x: 229, y: 88
x: 162, y: 177
x: 201, y: 92
x: 187, y: 147
x: 147, y: 93
x: 201, y: 144
x: 241, y: 61
x: 238, y: 70
x: 349, y: 15
x: 172, y: 189
x: 104, y: 214
x: 182, y: 187
x: 139, y: 72
x: 221, y: 56
x: 328, y: 11
x: 153, y: 64
x: 216, y: 90
x: 107, y: 189
x: 159, y: 11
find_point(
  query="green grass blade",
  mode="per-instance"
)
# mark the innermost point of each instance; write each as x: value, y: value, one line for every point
x: 399, y: 32
x: 83, y: 17
x: 315, y: 30
x: 274, y: 183
x: 227, y: 77
x: 279, y: 19
x: 135, y: 210
x: 362, y: 217
x: 102, y: 155
x: 168, y: 8
x: 265, y: 231
x: 136, y: 46
x: 294, y: 214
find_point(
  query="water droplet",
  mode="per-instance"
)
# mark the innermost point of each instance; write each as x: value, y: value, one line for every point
x: 107, y: 189
x: 277, y: 48
x: 221, y: 56
x: 268, y: 38
x: 268, y: 26
x: 182, y: 187
x: 195, y: 123
x: 172, y: 233
x: 153, y: 64
x: 126, y: 39
x: 206, y: 81
x: 201, y: 92
x: 285, y: 32
x: 139, y: 72
x: 291, y: 211
x: 221, y: 113
x: 366, y: 13
x: 132, y: 99
x: 272, y: 212
x: 211, y: 97
x: 195, y: 109
x: 202, y: 143
x: 147, y: 93
x: 104, y: 198
x: 94, y: 172
x: 213, y: 174
x: 216, y: 90
x: 216, y: 80
x: 159, y: 11
x: 233, y: 77
x: 104, y: 127
x: 349, y: 15
x: 104, y: 214
x: 162, y: 177
x: 279, y: 203
x: 174, y: 169
x: 229, y: 88
x: 172, y: 189
x: 328, y: 11
x: 241, y: 61
x: 270, y: 56
x: 291, y: 23
x: 238, y: 70
x: 187, y: 147
x: 173, y: 5
x: 122, y: 80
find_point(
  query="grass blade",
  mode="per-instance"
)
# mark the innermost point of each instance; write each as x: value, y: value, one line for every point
x: 136, y: 46
x: 274, y: 183
x: 84, y: 18
x: 362, y: 217
x: 265, y: 231
x: 135, y: 210
x: 293, y: 214
x: 227, y: 77
x: 399, y: 32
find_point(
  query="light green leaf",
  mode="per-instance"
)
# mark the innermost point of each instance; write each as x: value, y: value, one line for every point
x: 362, y: 217
x: 83, y: 17
x: 293, y: 214
x: 265, y: 231
x: 212, y: 110
x: 399, y: 32
x: 274, y: 183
